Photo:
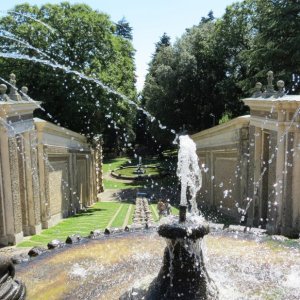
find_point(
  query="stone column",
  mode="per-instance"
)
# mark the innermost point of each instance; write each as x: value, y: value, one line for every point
x: 15, y: 192
x: 44, y: 188
x: 253, y: 218
x: 32, y: 183
x: 280, y: 169
x: 296, y: 185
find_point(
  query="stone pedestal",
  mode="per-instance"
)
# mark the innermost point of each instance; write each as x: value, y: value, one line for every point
x: 183, y: 274
x: 10, y: 289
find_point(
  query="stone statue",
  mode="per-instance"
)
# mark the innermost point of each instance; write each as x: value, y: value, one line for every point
x: 24, y: 91
x: 13, y: 94
x: 10, y: 289
x: 280, y: 85
x: 269, y: 92
x: 3, y: 95
x: 257, y: 90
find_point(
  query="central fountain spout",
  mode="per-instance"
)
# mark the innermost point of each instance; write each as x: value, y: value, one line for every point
x: 182, y: 213
x: 183, y: 274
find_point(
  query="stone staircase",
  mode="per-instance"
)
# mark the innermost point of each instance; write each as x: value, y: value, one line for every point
x: 142, y: 214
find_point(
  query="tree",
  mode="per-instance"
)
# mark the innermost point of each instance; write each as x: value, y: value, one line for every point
x: 276, y: 40
x: 78, y: 39
x: 123, y: 29
x: 182, y: 86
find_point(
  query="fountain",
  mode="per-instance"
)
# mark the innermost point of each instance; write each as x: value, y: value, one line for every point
x: 183, y: 274
x: 10, y: 289
x: 140, y: 170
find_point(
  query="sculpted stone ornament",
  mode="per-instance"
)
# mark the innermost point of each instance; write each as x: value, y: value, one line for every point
x: 24, y: 91
x: 3, y: 96
x: 10, y: 289
x: 13, y: 94
x: 257, y: 90
x: 280, y: 92
x: 269, y: 92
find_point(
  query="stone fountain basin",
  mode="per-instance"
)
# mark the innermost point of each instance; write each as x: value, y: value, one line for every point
x: 243, y: 267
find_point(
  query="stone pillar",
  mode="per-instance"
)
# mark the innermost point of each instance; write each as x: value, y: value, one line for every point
x: 98, y: 164
x: 254, y: 177
x: 15, y: 192
x: 32, y: 183
x: 43, y: 182
x: 280, y: 169
x: 296, y: 185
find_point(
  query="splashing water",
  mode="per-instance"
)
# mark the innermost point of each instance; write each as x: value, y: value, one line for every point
x: 188, y: 172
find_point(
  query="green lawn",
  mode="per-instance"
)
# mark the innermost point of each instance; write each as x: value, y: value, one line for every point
x: 114, y: 184
x: 111, y: 164
x: 96, y: 217
x: 130, y: 171
x: 174, y: 211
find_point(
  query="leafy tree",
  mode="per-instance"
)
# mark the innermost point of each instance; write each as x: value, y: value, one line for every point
x: 276, y: 40
x: 183, y: 84
x: 82, y: 40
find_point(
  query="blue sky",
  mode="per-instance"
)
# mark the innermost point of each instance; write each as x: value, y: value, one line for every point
x: 149, y: 19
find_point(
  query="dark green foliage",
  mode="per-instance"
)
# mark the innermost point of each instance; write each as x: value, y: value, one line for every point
x: 205, y: 74
x: 123, y: 29
x: 83, y: 40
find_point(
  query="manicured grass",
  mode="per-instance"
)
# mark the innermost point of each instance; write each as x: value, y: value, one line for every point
x: 111, y: 164
x: 118, y: 222
x: 131, y: 215
x: 96, y: 217
x: 154, y: 212
x: 130, y: 171
x: 174, y: 211
x: 114, y: 184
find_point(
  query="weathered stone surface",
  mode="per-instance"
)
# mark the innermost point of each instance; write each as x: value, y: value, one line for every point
x: 112, y: 230
x: 216, y: 226
x: 36, y: 251
x: 55, y: 244
x: 95, y: 233
x: 10, y: 289
x: 73, y: 239
x: 183, y: 274
x: 18, y: 259
x: 181, y: 231
x: 236, y: 228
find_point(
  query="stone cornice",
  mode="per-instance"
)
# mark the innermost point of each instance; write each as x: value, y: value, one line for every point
x: 239, y: 122
x: 287, y: 102
x: 14, y: 108
x: 43, y: 126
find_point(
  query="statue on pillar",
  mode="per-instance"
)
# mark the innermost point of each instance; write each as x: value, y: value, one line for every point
x: 257, y: 90
x: 3, y: 95
x: 281, y: 91
x: 24, y: 91
x: 13, y: 94
x: 269, y: 92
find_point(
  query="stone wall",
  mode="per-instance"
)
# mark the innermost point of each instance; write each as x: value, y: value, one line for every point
x: 67, y: 172
x: 47, y: 172
x: 223, y: 154
x: 255, y: 160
